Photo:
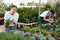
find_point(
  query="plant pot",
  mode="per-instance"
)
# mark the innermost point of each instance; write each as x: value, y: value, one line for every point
x: 1, y: 20
x: 6, y: 26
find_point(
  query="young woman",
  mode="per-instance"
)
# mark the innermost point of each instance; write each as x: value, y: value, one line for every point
x: 13, y: 16
x: 46, y: 17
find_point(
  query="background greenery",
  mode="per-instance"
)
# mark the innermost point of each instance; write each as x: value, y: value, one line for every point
x: 2, y: 8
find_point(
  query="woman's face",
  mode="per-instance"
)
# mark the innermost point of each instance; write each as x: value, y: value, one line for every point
x: 13, y: 10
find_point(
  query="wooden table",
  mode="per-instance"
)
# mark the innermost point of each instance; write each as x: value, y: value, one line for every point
x: 27, y: 24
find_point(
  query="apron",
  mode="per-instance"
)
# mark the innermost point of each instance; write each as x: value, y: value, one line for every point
x: 41, y: 21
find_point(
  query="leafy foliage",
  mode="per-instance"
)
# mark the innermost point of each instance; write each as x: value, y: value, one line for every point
x: 9, y: 7
x: 34, y: 30
x: 27, y: 14
x: 2, y: 8
x: 57, y: 8
x: 58, y: 32
x: 45, y: 7
x: 6, y: 36
x: 44, y: 32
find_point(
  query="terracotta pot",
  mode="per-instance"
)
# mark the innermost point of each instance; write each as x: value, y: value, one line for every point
x: 6, y: 26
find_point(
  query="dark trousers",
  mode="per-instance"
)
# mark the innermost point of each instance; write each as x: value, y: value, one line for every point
x: 11, y: 28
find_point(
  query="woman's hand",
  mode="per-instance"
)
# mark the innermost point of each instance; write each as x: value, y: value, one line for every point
x: 51, y: 21
x: 14, y: 22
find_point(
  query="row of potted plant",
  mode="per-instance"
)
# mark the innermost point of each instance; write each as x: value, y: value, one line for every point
x: 37, y: 33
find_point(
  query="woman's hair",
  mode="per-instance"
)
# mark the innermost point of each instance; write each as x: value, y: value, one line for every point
x: 14, y: 6
x: 52, y: 11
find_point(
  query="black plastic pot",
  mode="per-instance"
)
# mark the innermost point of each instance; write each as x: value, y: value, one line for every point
x: 1, y: 22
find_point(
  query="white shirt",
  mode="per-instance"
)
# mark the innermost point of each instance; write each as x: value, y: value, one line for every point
x: 44, y: 14
x: 11, y: 17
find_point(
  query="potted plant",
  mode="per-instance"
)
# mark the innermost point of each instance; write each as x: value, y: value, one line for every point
x: 7, y: 23
x: 44, y: 32
x: 35, y: 30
